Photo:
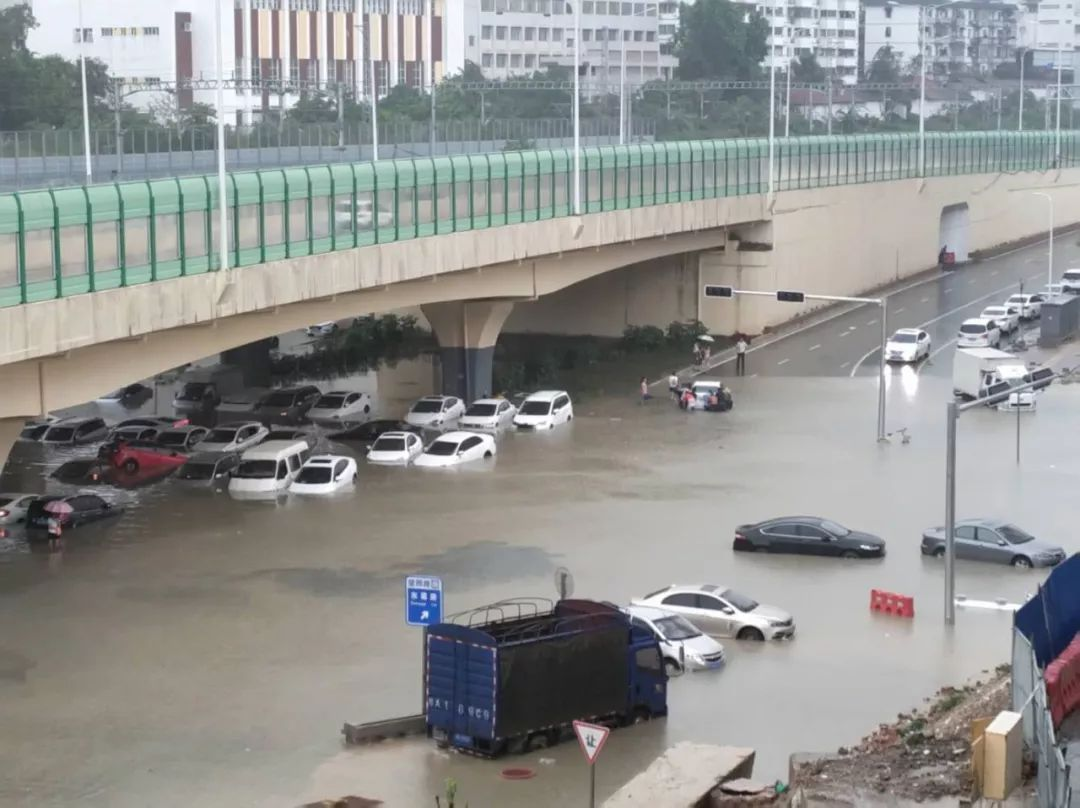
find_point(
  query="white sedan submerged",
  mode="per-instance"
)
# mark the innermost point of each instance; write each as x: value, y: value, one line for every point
x: 456, y: 448
x: 434, y: 411
x: 340, y: 406
x: 325, y: 474
x: 488, y: 413
x: 395, y: 448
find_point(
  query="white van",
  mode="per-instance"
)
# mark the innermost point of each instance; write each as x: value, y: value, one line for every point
x: 545, y: 409
x: 269, y: 467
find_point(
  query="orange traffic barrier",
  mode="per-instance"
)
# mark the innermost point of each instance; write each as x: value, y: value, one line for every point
x: 1062, y: 678
x: 892, y: 603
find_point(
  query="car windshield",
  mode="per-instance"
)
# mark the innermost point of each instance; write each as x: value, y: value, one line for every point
x: 257, y: 469
x: 196, y: 471
x: 389, y: 445
x: 481, y: 410
x: 60, y: 433
x: 279, y: 400
x: 172, y: 438
x: 1014, y: 535
x: 443, y: 448
x: 1071, y: 274
x: 675, y: 627
x: 314, y: 475
x: 330, y: 403
x: 427, y: 406
x: 193, y: 390
x: 536, y: 408
x: 221, y: 436
x: 835, y: 529
x: 739, y: 601
x: 994, y: 312
x: 903, y: 338
x: 973, y: 328
x: 1017, y: 299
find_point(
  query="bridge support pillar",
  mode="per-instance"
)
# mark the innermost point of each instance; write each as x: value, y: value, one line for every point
x: 467, y: 331
x: 9, y: 431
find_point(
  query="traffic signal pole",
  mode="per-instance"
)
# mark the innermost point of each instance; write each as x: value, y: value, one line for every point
x: 793, y: 296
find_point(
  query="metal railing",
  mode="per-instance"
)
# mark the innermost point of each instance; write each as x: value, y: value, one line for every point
x: 61, y: 242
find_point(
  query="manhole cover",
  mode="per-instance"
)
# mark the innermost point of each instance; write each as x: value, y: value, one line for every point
x: 518, y: 774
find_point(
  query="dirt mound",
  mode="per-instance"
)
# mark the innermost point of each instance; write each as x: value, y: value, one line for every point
x: 923, y: 755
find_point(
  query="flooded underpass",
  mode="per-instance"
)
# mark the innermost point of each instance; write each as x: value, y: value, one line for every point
x: 201, y: 651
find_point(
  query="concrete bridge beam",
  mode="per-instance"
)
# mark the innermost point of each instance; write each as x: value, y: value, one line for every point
x: 467, y: 331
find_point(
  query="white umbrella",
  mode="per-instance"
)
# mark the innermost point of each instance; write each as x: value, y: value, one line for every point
x: 705, y: 338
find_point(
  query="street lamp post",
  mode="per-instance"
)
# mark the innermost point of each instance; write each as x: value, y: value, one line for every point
x: 772, y: 100
x: 922, y: 84
x: 1050, y: 240
x: 223, y: 217
x: 577, y: 107
x: 1020, y: 117
x: 1057, y: 103
x: 85, y: 100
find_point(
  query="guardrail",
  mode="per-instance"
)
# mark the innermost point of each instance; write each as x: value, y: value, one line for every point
x: 60, y: 242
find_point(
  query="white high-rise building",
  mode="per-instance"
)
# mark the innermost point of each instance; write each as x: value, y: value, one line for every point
x: 508, y: 38
x: 1055, y: 24
x: 825, y: 29
x: 970, y: 37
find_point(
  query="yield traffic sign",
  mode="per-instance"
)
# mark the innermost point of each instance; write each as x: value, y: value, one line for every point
x: 592, y: 738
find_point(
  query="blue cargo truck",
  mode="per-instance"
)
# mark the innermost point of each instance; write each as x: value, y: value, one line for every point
x: 513, y: 676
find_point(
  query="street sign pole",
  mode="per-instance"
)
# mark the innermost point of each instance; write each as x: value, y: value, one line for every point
x: 592, y: 785
x: 423, y: 608
x: 592, y: 738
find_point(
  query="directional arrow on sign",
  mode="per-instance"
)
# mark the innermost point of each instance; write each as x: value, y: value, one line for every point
x: 592, y: 738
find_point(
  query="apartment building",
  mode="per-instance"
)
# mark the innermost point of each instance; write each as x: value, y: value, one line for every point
x: 967, y: 37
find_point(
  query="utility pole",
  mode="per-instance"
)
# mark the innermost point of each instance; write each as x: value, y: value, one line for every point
x: 223, y: 216
x: 1020, y: 117
x: 340, y: 116
x: 85, y: 101
x: 829, y: 97
x: 119, y: 132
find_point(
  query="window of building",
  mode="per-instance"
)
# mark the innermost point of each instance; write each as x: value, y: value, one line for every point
x: 151, y: 31
x: 500, y: 60
x: 485, y: 32
x: 587, y: 7
x: 500, y: 32
x: 556, y: 34
x: 487, y: 5
x: 515, y: 33
x: 86, y: 34
x: 516, y: 5
x: 650, y: 36
x: 639, y: 35
x: 627, y: 9
x: 542, y: 34
x: 515, y: 60
x: 487, y: 60
x: 530, y: 60
x: 109, y: 31
x: 601, y: 7
x: 888, y: 12
x: 888, y: 31
x: 530, y: 34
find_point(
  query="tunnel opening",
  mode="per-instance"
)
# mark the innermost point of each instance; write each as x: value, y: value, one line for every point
x: 953, y: 231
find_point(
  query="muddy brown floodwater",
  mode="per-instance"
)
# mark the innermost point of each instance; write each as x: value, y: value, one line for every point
x: 205, y: 652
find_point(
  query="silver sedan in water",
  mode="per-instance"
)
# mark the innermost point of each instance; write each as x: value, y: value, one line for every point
x: 996, y: 541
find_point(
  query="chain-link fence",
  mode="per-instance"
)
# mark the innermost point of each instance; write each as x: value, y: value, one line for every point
x: 56, y: 157
x: 1029, y: 699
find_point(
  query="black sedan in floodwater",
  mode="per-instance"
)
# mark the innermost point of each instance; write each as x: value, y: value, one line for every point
x: 807, y: 535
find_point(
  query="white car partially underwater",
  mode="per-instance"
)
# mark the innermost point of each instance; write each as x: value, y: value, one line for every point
x: 683, y: 645
x: 325, y: 474
x: 457, y: 448
x: 339, y: 407
x: 488, y: 413
x: 434, y: 411
x: 395, y: 448
x: 545, y: 409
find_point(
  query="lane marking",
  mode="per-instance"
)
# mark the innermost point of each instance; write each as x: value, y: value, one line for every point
x: 783, y: 361
x: 971, y: 281
x: 900, y: 310
x: 844, y: 333
x: 945, y: 291
x: 993, y: 272
x: 871, y: 322
x: 925, y: 300
x: 844, y: 365
x: 940, y: 317
x: 814, y: 347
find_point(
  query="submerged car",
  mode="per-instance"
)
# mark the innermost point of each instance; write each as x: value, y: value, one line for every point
x: 395, y: 448
x: 136, y: 457
x: 214, y: 468
x: 807, y: 535
x: 13, y: 508
x: 488, y: 413
x: 287, y: 405
x: 76, y: 432
x: 683, y: 645
x: 722, y: 612
x: 456, y: 448
x: 340, y: 407
x: 130, y: 397
x: 370, y: 431
x: 434, y: 411
x: 907, y: 345
x: 234, y: 436
x: 182, y: 438
x: 325, y: 474
x: 269, y: 467
x: 544, y: 409
x: 54, y: 514
x: 996, y: 541
x: 321, y: 329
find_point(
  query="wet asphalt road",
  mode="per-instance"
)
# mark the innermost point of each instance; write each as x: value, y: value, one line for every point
x: 848, y: 344
x: 205, y: 652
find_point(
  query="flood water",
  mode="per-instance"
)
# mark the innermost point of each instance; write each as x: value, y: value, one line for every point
x: 203, y: 652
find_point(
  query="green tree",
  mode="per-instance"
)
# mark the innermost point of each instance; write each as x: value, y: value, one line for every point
x: 720, y: 39
x: 884, y: 67
x: 806, y: 68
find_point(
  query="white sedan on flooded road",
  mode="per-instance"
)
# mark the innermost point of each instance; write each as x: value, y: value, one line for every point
x: 457, y: 448
x: 488, y: 413
x: 434, y: 411
x: 340, y: 407
x: 722, y: 612
x: 395, y: 448
x: 325, y: 474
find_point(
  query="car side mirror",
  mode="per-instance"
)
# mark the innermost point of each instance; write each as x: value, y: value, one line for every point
x: 1002, y: 543
x: 727, y: 610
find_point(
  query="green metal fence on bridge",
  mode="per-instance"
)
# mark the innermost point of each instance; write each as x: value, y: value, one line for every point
x: 60, y: 242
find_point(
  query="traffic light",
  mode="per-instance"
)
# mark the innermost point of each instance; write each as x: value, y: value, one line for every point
x: 791, y: 297
x: 712, y: 290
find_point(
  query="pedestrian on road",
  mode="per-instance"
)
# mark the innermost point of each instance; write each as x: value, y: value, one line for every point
x: 644, y: 390
x: 740, y: 355
x: 673, y: 385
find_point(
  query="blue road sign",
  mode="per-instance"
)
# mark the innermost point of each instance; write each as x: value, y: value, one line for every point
x: 423, y: 600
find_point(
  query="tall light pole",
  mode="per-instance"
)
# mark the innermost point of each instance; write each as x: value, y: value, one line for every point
x: 622, y: 88
x: 223, y: 217
x: 1050, y: 242
x: 85, y: 100
x: 1020, y: 117
x: 922, y: 85
x: 772, y: 99
x: 1057, y: 133
x: 577, y: 107
x: 374, y: 96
